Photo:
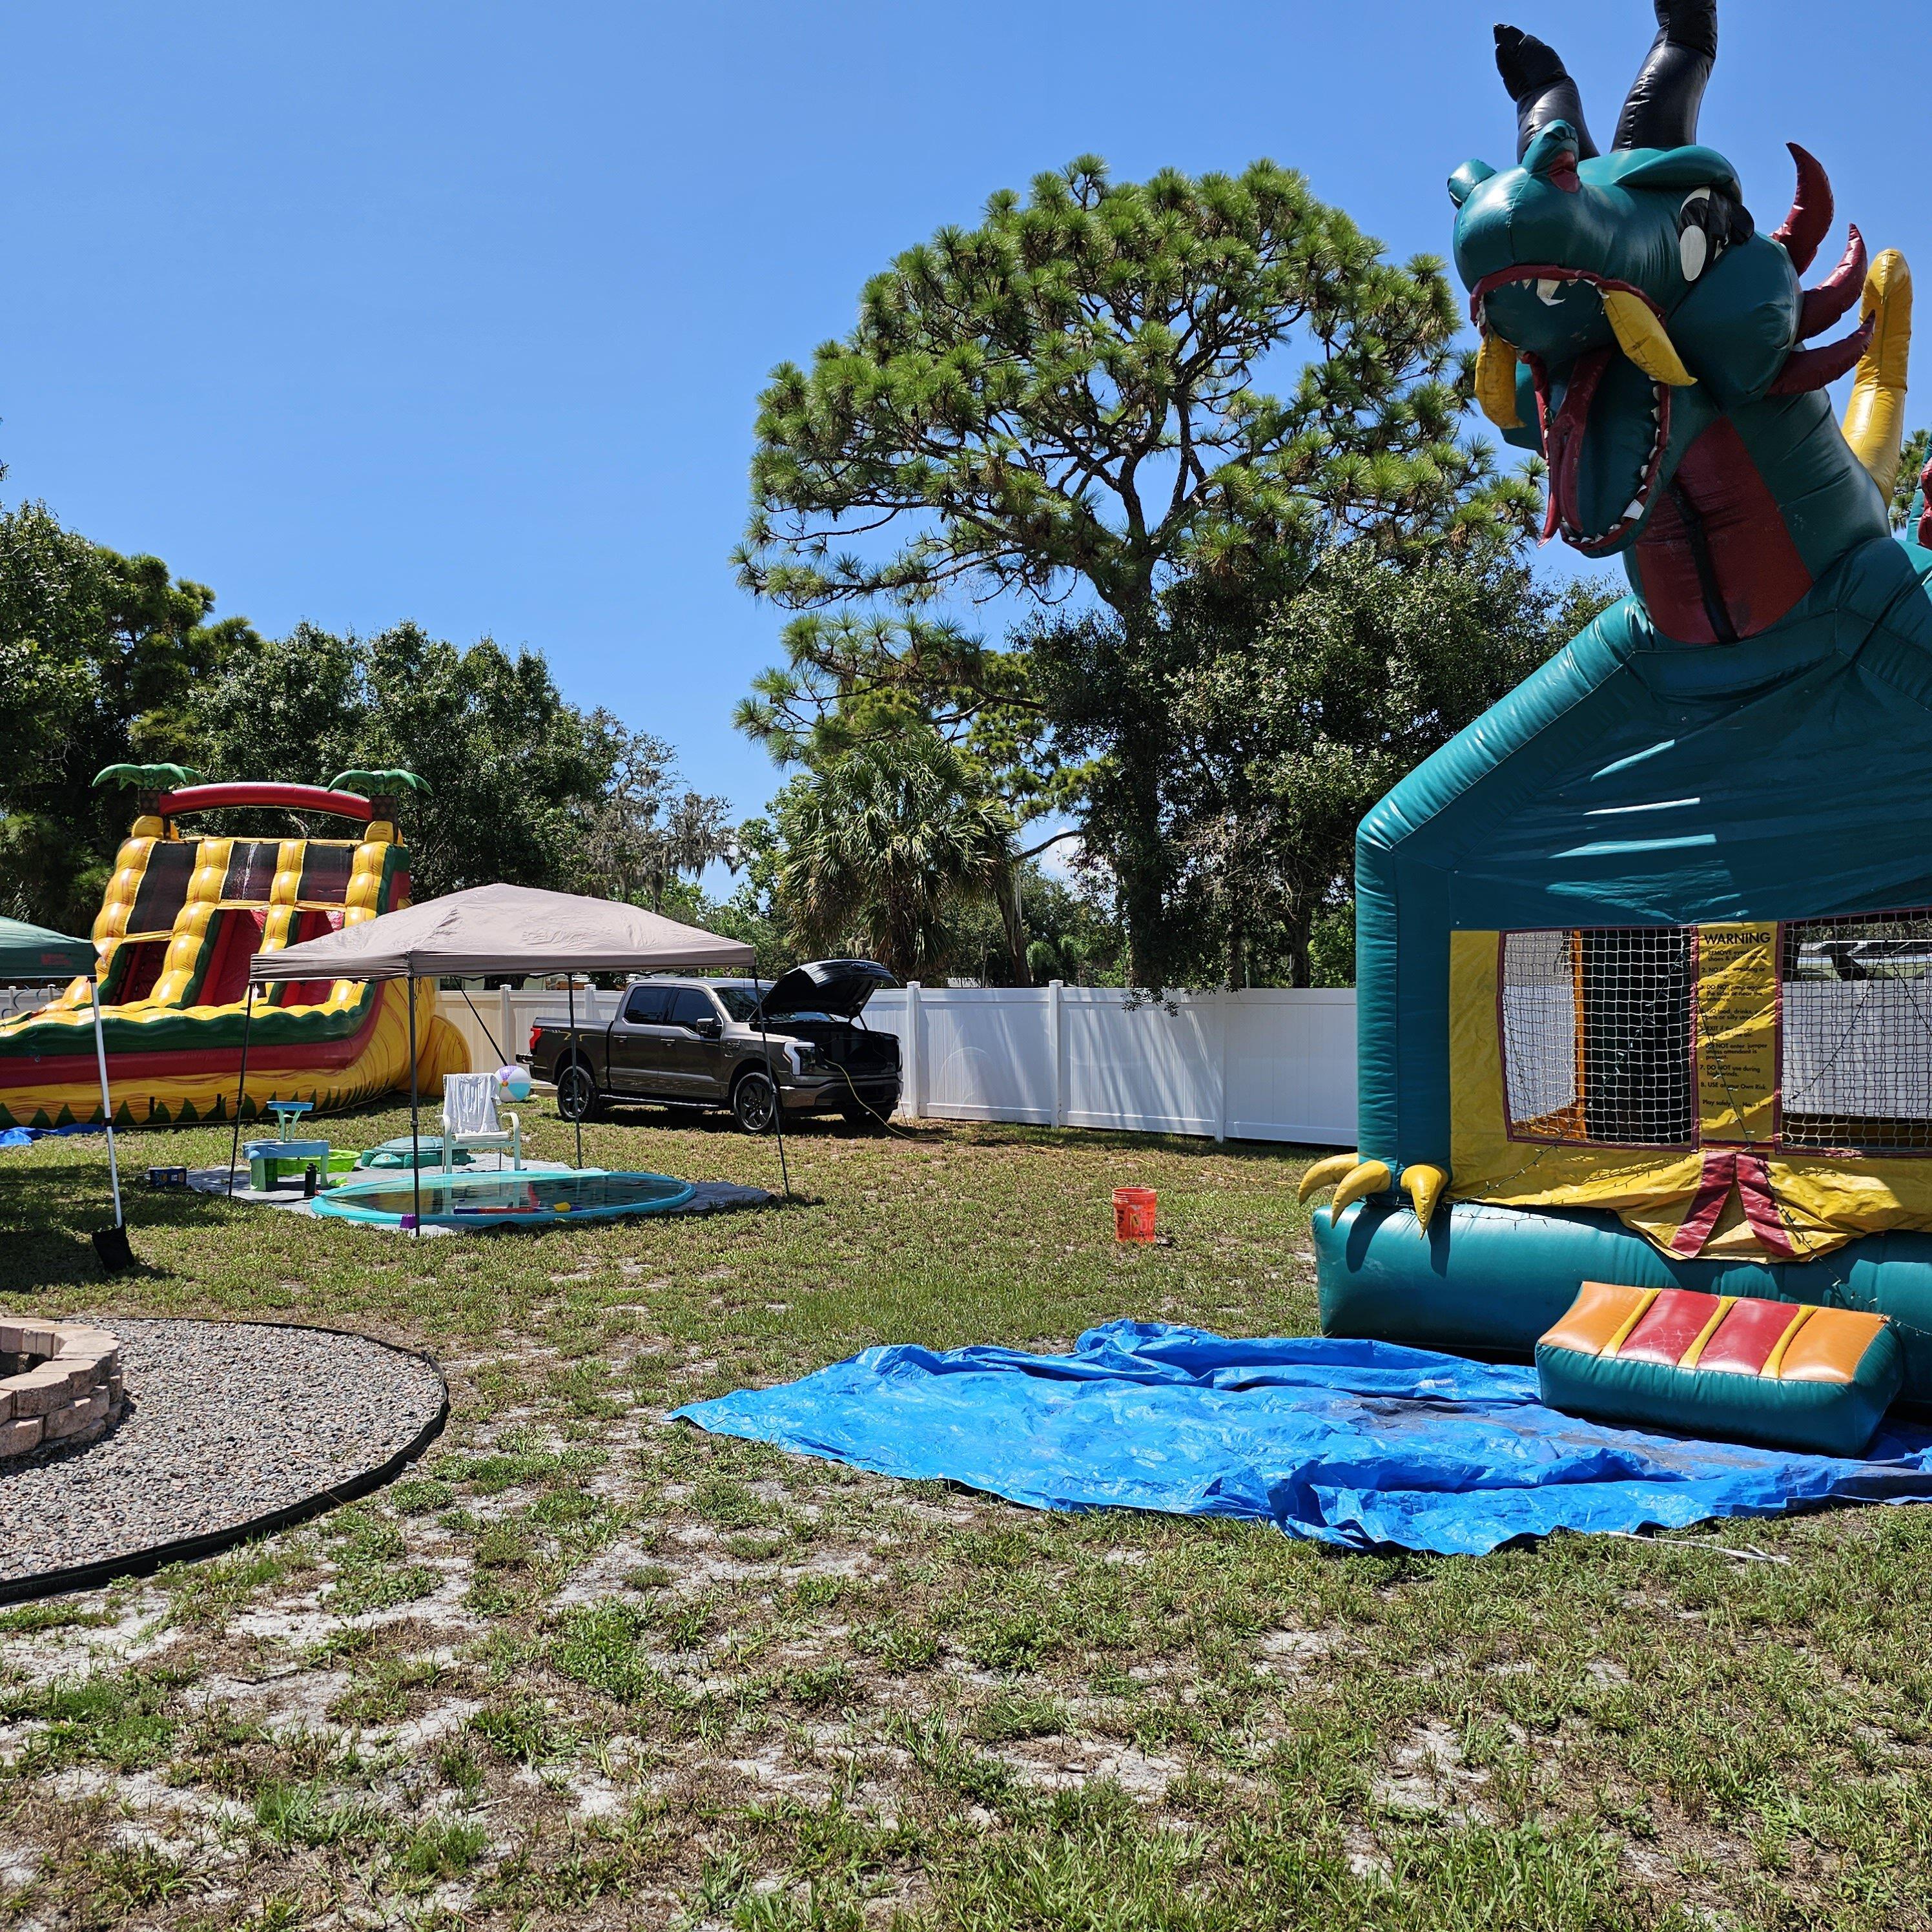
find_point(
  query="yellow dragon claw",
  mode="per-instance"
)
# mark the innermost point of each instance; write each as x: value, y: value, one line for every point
x: 1371, y: 1177
x: 1424, y: 1185
x: 1324, y: 1173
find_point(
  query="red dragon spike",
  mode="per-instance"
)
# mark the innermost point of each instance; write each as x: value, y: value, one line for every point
x: 1831, y: 298
x: 1814, y: 368
x: 1810, y: 221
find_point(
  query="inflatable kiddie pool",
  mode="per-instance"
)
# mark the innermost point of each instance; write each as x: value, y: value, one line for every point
x: 515, y: 1198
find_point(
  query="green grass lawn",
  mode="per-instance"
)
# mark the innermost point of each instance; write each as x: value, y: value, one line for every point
x: 583, y: 1667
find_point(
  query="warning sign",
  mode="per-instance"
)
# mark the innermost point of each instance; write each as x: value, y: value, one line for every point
x: 1737, y: 1034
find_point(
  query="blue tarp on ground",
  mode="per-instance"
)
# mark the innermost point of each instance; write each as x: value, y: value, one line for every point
x: 20, y: 1137
x: 1364, y: 1444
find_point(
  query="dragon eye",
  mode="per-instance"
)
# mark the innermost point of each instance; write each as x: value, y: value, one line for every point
x: 1700, y: 232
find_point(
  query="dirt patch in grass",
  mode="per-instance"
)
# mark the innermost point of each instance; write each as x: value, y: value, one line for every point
x: 583, y: 1666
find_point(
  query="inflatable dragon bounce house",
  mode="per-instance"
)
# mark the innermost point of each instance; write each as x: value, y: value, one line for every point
x: 182, y: 917
x: 1645, y: 956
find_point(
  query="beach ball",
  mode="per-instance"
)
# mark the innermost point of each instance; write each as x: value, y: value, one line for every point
x: 515, y: 1082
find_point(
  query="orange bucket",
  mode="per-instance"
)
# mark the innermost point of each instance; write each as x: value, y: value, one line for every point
x: 1133, y: 1213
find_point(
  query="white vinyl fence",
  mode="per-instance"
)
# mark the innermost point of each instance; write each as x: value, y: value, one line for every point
x: 495, y: 1025
x: 1269, y: 1065
x: 15, y: 1001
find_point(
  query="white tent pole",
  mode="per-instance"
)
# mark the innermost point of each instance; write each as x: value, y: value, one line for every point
x: 240, y: 1087
x: 576, y: 1059
x: 415, y: 1125
x: 106, y: 1103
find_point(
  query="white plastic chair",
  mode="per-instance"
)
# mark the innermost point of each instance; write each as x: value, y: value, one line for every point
x: 469, y: 1118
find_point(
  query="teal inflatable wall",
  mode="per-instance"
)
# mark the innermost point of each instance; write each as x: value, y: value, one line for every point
x: 1738, y: 754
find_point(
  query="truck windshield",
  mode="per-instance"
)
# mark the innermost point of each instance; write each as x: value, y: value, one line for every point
x: 740, y: 1002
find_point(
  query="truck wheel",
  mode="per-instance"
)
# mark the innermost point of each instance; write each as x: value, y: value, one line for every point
x: 576, y: 1096
x: 754, y: 1103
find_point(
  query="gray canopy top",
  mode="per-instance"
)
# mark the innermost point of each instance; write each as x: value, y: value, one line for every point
x: 509, y: 929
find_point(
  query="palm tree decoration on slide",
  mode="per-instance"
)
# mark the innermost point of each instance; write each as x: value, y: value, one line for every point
x: 882, y: 843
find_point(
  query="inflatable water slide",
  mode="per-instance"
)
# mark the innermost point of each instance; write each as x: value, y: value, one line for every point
x: 183, y: 914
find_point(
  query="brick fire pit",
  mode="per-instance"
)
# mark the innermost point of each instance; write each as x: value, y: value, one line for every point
x: 60, y: 1382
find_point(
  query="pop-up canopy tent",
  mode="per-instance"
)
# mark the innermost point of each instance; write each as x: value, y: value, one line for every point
x: 509, y: 929
x: 32, y: 953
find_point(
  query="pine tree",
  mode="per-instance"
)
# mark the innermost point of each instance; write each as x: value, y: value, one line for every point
x: 1067, y: 402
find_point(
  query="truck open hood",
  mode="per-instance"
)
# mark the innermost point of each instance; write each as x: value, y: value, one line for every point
x: 839, y: 987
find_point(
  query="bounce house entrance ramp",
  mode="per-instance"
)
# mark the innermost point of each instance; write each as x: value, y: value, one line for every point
x: 1788, y: 1375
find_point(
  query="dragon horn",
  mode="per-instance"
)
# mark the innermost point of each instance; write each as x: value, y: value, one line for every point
x: 1875, y: 417
x: 1815, y: 368
x: 1540, y: 84
x: 1645, y: 339
x: 1810, y: 221
x: 1496, y: 381
x: 1662, y: 109
x: 1829, y: 300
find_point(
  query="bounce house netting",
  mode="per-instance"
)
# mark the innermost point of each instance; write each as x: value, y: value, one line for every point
x: 1597, y: 1035
x: 1608, y: 1033
x: 1857, y: 999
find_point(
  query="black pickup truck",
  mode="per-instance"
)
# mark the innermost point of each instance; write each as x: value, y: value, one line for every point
x: 692, y: 1042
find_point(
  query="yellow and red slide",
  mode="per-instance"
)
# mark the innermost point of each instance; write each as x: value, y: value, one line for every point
x: 183, y: 915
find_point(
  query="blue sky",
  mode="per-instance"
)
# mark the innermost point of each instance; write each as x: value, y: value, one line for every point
x: 459, y: 314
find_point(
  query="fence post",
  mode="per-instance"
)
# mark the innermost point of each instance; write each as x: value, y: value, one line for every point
x: 1224, y: 1005
x: 1055, y: 988
x: 915, y: 1068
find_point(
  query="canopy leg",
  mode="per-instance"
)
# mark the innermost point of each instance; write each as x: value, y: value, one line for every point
x: 415, y: 1122
x: 107, y: 1108
x: 240, y: 1086
x: 778, y: 1098
x: 570, y: 990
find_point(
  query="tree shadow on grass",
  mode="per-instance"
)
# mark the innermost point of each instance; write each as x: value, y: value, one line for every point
x: 50, y: 1213
x: 1185, y: 1146
x: 46, y: 1258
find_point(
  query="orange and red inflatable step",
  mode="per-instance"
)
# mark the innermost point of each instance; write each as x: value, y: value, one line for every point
x: 1786, y: 1374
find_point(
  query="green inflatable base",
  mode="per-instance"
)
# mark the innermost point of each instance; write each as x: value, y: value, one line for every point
x: 1490, y: 1280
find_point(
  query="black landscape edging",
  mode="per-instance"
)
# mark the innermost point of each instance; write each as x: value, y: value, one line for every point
x: 81, y: 1577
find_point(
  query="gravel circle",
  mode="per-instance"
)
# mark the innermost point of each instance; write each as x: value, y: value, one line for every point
x: 226, y: 1423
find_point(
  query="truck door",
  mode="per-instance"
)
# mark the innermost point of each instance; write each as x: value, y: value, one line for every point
x: 642, y: 1045
x: 699, y: 1048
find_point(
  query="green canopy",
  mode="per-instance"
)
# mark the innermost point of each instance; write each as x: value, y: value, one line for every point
x: 32, y: 952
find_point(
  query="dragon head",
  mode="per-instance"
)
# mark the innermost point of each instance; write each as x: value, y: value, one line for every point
x: 1625, y: 300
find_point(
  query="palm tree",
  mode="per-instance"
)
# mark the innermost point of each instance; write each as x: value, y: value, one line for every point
x: 882, y: 843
